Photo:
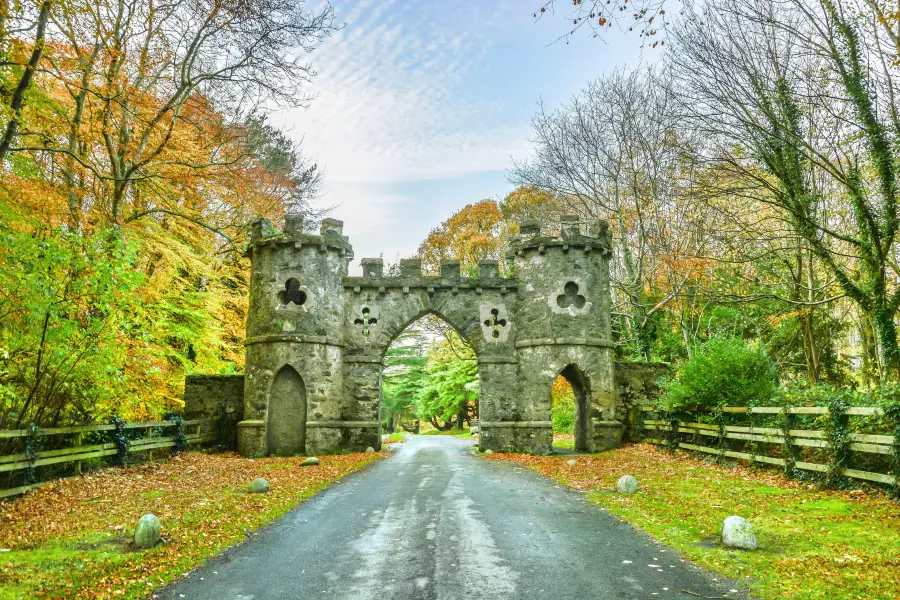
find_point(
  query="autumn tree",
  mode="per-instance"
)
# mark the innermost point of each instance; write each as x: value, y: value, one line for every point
x: 615, y: 152
x: 798, y: 104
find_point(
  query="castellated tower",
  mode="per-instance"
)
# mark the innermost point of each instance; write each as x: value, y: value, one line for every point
x: 293, y: 345
x: 564, y: 327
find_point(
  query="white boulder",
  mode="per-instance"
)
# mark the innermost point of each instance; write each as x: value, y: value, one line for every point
x: 626, y: 484
x: 737, y: 532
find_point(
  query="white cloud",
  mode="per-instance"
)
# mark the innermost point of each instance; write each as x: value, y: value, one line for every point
x: 395, y: 101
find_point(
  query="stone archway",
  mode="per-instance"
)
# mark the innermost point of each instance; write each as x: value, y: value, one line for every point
x: 460, y: 338
x: 286, y: 426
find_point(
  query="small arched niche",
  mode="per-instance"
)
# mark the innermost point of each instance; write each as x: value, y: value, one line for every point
x: 569, y: 408
x: 286, y: 427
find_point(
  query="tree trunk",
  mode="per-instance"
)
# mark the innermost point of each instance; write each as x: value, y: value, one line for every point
x: 870, y: 369
x: 18, y: 97
x: 887, y: 341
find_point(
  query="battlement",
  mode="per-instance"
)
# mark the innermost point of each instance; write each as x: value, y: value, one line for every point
x: 573, y: 234
x: 331, y: 235
x: 411, y: 276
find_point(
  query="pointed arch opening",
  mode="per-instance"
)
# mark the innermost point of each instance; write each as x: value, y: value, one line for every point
x: 430, y: 382
x: 569, y: 410
x: 286, y: 421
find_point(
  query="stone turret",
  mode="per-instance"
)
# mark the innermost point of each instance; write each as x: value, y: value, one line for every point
x: 564, y: 322
x: 294, y: 323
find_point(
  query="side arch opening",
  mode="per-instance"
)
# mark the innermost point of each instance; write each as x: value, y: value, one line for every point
x: 286, y: 420
x: 569, y: 410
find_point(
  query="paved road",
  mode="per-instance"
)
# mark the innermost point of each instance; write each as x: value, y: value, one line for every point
x: 436, y: 522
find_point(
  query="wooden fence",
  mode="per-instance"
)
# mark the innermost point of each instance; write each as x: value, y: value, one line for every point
x: 663, y: 432
x: 194, y: 432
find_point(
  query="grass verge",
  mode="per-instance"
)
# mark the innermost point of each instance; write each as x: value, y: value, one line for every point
x: 395, y: 438
x: 815, y: 544
x: 464, y: 432
x: 71, y: 538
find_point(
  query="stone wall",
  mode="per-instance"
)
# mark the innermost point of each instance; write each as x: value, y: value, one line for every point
x: 219, y: 398
x: 637, y: 385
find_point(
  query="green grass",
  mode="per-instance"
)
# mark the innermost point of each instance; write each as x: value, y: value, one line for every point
x: 395, y: 438
x: 464, y: 432
x: 566, y: 443
x: 814, y: 544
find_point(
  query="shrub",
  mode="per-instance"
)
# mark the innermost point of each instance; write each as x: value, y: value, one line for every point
x: 722, y: 372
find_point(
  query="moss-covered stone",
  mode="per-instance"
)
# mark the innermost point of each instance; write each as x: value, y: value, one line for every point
x: 316, y: 338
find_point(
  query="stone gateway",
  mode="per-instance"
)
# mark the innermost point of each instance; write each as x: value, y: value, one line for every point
x: 316, y: 338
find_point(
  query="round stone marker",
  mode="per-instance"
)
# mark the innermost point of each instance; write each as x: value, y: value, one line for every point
x: 626, y: 484
x: 572, y: 462
x: 370, y: 449
x: 737, y: 532
x: 258, y: 486
x: 312, y: 460
x: 146, y: 534
x: 488, y: 451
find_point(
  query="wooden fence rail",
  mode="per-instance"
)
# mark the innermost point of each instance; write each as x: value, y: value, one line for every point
x: 203, y: 431
x: 809, y: 438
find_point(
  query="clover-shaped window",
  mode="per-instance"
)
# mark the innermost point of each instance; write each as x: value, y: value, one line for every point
x: 292, y: 293
x: 571, y: 297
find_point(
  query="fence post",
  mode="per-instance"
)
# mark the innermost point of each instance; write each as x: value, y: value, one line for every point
x: 149, y: 452
x: 78, y: 445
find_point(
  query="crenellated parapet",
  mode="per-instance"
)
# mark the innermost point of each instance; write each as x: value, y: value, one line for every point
x: 411, y: 276
x: 594, y: 237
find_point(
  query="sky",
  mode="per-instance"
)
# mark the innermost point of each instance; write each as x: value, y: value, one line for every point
x: 421, y: 106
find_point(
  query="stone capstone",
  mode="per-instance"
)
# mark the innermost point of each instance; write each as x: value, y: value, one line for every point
x: 312, y: 460
x: 258, y: 486
x: 626, y: 484
x: 488, y: 451
x: 572, y: 462
x: 737, y: 532
x: 370, y: 449
x: 147, y: 531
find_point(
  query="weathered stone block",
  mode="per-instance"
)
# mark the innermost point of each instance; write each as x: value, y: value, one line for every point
x: 607, y: 435
x: 252, y: 438
x: 217, y: 398
x: 637, y: 384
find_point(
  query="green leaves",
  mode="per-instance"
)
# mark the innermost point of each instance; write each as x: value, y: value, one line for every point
x: 66, y: 301
x: 722, y: 372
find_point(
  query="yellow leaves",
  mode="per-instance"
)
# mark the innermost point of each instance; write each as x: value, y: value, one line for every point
x: 470, y: 235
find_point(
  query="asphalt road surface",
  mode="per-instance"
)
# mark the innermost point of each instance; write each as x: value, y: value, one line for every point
x: 436, y: 522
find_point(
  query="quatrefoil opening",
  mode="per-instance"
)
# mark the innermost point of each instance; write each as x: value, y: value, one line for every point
x: 571, y: 297
x: 292, y: 294
x: 365, y: 321
x: 494, y: 323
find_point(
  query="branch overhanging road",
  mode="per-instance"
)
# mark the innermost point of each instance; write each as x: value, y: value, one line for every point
x: 436, y: 522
